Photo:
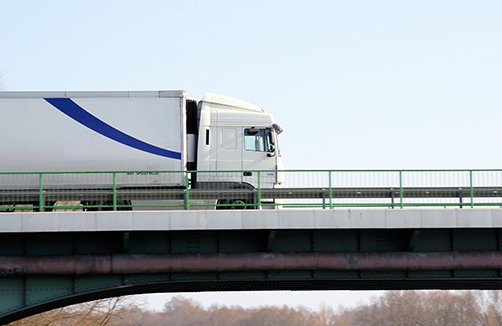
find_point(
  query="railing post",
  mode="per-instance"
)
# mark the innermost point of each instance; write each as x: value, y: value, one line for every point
x: 471, y: 188
x: 187, y: 194
x: 259, y: 189
x: 114, y: 191
x: 401, y: 204
x: 40, y: 194
x: 330, y: 192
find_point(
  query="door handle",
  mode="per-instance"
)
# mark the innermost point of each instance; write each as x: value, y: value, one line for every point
x: 248, y: 174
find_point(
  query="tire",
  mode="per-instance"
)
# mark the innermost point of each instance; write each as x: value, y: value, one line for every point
x: 237, y: 202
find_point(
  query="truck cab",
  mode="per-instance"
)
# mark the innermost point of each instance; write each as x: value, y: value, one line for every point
x: 237, y: 136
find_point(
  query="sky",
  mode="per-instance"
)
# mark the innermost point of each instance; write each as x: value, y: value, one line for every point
x: 354, y: 84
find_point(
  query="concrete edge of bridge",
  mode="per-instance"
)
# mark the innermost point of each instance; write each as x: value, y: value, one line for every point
x: 20, y: 222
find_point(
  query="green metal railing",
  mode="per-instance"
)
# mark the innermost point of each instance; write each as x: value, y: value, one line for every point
x: 327, y: 189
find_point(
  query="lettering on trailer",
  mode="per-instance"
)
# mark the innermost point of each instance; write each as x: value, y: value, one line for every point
x: 77, y: 113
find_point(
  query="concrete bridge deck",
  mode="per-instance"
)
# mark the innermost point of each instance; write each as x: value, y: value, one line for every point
x: 20, y: 222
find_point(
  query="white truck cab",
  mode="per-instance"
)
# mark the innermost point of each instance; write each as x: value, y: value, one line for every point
x: 236, y: 135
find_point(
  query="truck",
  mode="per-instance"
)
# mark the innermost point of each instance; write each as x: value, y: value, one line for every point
x: 138, y: 133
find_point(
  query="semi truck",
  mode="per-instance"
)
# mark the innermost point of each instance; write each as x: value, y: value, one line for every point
x: 138, y: 132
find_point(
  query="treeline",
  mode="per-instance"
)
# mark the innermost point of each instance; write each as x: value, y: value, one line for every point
x: 399, y: 308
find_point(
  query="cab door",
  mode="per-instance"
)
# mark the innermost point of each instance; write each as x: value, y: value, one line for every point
x: 229, y: 153
x: 259, y: 154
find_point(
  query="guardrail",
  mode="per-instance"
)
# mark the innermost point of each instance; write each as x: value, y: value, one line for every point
x: 327, y: 189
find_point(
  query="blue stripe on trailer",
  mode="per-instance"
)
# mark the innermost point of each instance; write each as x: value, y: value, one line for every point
x: 77, y: 113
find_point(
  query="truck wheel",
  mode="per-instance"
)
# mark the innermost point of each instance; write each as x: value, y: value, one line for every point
x: 237, y: 202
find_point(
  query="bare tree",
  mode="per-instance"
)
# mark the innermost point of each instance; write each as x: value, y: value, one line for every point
x: 394, y: 308
x: 491, y: 307
x: 328, y: 317
x: 180, y: 311
x: 228, y: 316
x: 100, y: 312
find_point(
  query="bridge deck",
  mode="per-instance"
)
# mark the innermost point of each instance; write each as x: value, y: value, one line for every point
x: 249, y: 220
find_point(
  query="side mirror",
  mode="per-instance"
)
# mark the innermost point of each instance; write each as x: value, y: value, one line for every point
x: 277, y: 128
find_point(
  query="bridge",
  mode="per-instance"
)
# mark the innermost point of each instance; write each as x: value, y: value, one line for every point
x: 369, y: 233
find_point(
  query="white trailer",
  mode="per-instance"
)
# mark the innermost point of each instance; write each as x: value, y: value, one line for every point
x: 145, y: 131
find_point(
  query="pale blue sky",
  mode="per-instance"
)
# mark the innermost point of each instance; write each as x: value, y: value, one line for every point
x: 354, y: 84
